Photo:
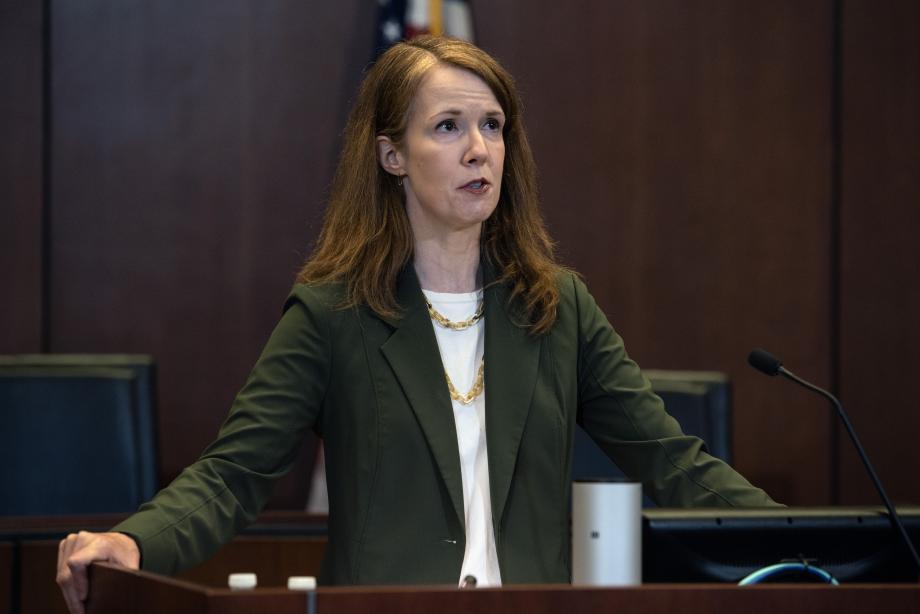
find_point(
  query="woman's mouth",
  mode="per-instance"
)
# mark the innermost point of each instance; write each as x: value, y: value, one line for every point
x: 478, y: 186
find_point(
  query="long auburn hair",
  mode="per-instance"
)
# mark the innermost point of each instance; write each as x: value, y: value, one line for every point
x: 366, y: 239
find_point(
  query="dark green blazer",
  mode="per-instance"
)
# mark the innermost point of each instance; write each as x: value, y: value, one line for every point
x: 374, y: 389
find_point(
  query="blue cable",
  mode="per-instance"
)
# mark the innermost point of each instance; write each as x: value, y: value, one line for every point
x: 762, y: 574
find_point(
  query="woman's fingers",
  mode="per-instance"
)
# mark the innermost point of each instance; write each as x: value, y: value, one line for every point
x: 65, y: 574
x: 77, y: 551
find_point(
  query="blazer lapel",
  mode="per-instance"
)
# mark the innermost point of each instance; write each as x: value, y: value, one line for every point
x: 412, y: 353
x: 512, y: 356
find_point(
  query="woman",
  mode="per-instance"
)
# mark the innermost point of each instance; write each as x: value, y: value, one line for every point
x: 441, y: 353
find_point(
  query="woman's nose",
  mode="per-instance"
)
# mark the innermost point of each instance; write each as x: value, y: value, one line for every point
x: 476, y: 151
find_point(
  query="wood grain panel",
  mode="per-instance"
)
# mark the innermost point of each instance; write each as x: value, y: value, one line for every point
x: 37, y: 587
x: 6, y: 577
x: 684, y: 150
x: 880, y: 264
x: 21, y: 124
x: 118, y: 590
x: 648, y: 599
x: 192, y: 148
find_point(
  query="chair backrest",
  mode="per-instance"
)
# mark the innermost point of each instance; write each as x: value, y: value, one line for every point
x: 78, y: 433
x: 699, y: 400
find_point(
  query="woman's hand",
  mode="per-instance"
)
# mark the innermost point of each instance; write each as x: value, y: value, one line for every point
x: 78, y: 550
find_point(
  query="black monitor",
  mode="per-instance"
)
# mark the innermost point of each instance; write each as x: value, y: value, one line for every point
x: 725, y: 545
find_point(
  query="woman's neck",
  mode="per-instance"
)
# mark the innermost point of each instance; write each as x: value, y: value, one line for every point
x: 448, y: 264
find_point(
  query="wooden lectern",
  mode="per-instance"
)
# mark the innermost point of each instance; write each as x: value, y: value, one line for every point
x: 118, y: 590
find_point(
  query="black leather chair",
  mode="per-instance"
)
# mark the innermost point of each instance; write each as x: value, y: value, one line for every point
x: 78, y: 433
x: 699, y: 400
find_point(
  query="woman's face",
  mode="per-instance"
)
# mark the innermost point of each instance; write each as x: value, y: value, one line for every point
x: 452, y: 155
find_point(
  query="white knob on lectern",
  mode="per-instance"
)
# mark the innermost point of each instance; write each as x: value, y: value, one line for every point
x: 301, y: 583
x: 242, y: 581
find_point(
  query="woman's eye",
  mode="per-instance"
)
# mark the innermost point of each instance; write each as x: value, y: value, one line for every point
x: 448, y: 125
x: 493, y: 124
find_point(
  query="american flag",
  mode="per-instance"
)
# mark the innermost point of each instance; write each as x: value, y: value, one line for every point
x: 402, y: 19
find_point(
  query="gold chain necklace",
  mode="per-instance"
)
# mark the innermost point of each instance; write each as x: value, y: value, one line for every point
x: 479, y: 382
x: 474, y: 392
x: 446, y: 323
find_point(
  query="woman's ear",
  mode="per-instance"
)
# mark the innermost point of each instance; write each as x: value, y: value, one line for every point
x: 389, y: 157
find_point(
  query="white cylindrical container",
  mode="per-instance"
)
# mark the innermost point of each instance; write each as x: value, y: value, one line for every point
x: 606, y: 533
x: 241, y: 581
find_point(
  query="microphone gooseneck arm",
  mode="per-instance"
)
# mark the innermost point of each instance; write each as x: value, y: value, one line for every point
x: 766, y: 363
x: 893, y: 514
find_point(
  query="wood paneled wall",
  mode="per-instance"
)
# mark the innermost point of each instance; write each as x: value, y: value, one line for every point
x: 21, y: 187
x: 692, y: 167
x: 684, y: 150
x: 880, y: 252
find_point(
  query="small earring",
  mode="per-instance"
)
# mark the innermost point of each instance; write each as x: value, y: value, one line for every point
x: 399, y: 179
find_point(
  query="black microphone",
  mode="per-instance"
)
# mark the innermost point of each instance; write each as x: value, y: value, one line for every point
x: 765, y: 362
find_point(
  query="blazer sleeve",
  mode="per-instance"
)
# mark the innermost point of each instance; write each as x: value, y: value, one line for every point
x: 619, y: 410
x: 224, y: 490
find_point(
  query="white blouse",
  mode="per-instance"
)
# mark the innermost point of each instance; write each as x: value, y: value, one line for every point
x: 461, y: 354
